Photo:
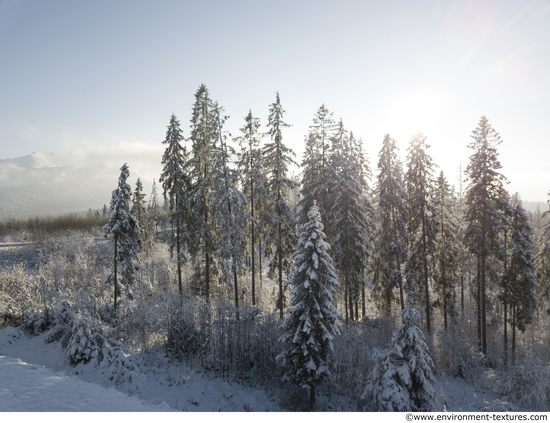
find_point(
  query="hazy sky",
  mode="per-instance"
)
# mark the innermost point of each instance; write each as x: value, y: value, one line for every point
x: 98, y: 80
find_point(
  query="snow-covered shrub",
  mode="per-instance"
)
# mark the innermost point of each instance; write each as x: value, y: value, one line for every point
x: 459, y: 355
x: 387, y: 390
x: 119, y: 363
x: 527, y: 386
x: 183, y: 339
x: 85, y: 341
x: 9, y: 310
x: 403, y: 377
x: 62, y: 324
x: 35, y: 322
x: 16, y: 295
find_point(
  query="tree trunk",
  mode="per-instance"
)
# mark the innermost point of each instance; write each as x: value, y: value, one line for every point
x: 400, y: 281
x: 346, y: 298
x: 478, y: 300
x: 252, y: 244
x: 462, y: 296
x: 280, y: 275
x: 483, y: 308
x: 505, y: 306
x: 260, y: 263
x: 178, y: 251
x: 426, y: 286
x: 363, y: 305
x: 115, y: 275
x: 505, y: 334
x: 513, y: 311
x: 236, y: 289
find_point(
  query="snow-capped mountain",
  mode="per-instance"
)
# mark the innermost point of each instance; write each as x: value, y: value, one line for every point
x: 43, y: 184
x: 37, y: 160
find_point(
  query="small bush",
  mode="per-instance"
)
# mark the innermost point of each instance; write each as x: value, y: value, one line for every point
x: 527, y: 386
x: 85, y: 341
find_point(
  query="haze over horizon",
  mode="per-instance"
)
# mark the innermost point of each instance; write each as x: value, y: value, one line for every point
x: 96, y: 82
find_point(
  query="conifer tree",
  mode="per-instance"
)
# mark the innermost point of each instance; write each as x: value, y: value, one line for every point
x: 421, y: 225
x: 254, y: 181
x: 138, y: 202
x: 204, y: 137
x: 393, y: 214
x: 126, y: 236
x: 519, y: 282
x: 403, y: 378
x: 446, y: 252
x: 351, y: 212
x: 175, y: 184
x: 542, y: 259
x: 485, y: 200
x: 153, y: 209
x: 280, y: 235
x: 227, y: 208
x: 318, y: 176
x: 313, y: 321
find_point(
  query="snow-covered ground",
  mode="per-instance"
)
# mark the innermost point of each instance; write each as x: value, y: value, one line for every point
x: 38, y: 377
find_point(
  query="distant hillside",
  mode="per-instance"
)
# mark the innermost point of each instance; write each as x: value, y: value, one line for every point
x: 43, y: 184
x: 37, y: 160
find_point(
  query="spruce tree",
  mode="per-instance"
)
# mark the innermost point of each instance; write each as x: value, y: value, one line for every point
x: 421, y: 225
x: 542, y: 259
x: 175, y: 184
x: 204, y: 137
x: 447, y: 251
x: 393, y: 215
x: 318, y: 176
x: 138, y: 202
x: 351, y: 211
x: 126, y: 236
x: 254, y: 182
x: 280, y: 234
x: 153, y: 209
x: 519, y: 282
x: 313, y: 321
x: 228, y: 216
x: 485, y: 200
x: 403, y: 378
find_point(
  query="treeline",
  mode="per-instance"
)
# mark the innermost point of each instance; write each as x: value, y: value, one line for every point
x: 39, y: 226
x: 395, y: 230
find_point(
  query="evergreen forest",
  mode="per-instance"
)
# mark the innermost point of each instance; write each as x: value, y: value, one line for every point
x: 332, y: 281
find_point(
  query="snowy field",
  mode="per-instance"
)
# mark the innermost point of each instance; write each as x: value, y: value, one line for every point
x: 38, y: 377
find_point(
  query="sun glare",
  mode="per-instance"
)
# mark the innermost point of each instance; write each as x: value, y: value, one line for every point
x: 415, y: 112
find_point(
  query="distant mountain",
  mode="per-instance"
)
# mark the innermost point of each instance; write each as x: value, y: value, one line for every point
x: 37, y: 160
x: 45, y: 184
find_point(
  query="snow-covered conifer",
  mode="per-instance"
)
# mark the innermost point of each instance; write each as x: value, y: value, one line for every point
x: 351, y: 212
x: 254, y: 184
x: 227, y: 208
x: 318, y: 176
x: 421, y: 224
x: 447, y: 252
x: 393, y: 215
x: 519, y: 282
x: 126, y: 235
x: 204, y: 135
x: 138, y: 202
x: 403, y: 377
x: 542, y: 258
x: 485, y: 202
x: 280, y: 232
x: 175, y: 184
x: 313, y: 320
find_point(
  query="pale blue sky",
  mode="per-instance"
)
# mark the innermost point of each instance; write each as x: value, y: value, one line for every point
x: 98, y: 80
